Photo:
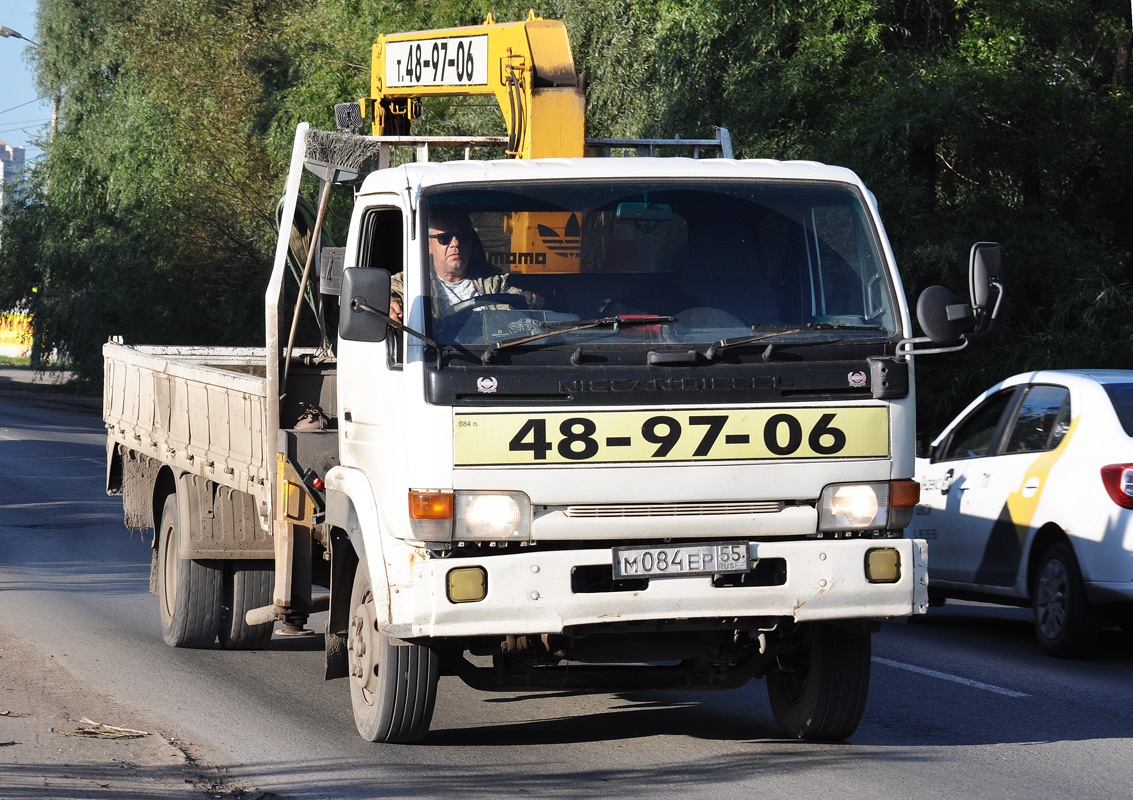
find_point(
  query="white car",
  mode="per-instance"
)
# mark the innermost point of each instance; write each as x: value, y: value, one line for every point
x: 1027, y: 499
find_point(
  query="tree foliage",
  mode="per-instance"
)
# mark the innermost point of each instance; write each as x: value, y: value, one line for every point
x: 152, y: 216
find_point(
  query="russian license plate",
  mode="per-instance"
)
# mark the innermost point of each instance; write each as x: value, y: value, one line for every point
x: 708, y: 558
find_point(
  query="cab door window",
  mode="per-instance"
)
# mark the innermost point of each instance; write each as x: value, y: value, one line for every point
x: 1035, y: 426
x: 978, y: 434
x: 382, y: 248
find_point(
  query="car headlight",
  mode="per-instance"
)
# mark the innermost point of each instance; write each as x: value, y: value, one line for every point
x: 491, y: 517
x: 854, y: 506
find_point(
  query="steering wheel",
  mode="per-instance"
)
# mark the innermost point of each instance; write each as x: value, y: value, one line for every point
x: 498, y: 299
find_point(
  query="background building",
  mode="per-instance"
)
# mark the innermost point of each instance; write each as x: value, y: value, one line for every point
x: 11, y: 160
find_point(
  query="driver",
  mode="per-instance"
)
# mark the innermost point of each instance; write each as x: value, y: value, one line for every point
x: 459, y: 270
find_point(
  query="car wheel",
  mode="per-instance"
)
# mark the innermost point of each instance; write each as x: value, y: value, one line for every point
x: 1065, y: 624
x: 818, y: 687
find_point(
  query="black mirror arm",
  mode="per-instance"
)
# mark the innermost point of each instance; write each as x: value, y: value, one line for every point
x: 357, y: 304
x: 983, y: 319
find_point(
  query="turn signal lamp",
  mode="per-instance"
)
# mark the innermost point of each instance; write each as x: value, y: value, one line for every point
x: 467, y: 585
x: 882, y: 565
x: 430, y: 516
x: 903, y: 498
x: 1118, y: 480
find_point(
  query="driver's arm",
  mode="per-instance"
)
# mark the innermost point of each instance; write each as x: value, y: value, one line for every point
x: 397, y: 290
x: 534, y: 301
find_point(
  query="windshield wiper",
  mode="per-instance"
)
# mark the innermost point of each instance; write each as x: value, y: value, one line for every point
x: 838, y: 326
x: 570, y: 326
x: 716, y: 347
x: 723, y: 344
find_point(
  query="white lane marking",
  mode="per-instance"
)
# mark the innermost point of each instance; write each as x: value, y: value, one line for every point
x: 944, y: 676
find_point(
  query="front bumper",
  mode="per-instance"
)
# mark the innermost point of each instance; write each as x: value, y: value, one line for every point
x: 531, y: 592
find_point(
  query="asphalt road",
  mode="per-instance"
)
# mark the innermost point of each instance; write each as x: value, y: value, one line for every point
x: 962, y: 704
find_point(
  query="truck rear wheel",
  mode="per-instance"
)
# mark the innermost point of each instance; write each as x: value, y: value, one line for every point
x: 818, y: 689
x: 247, y: 585
x: 393, y: 687
x: 189, y: 591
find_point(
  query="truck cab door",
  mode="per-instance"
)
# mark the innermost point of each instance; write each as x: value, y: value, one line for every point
x: 371, y: 374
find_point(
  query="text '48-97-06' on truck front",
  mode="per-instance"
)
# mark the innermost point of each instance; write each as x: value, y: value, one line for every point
x: 587, y: 423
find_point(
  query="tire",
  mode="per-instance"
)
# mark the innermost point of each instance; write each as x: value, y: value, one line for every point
x: 247, y: 585
x: 393, y: 688
x: 1065, y: 623
x: 189, y: 591
x: 822, y: 691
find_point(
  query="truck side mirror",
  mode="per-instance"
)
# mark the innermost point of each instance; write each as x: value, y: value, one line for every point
x: 943, y: 316
x: 364, y: 292
x: 985, y: 276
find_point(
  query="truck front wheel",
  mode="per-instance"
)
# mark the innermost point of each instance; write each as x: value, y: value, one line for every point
x: 393, y: 687
x: 818, y: 686
x: 189, y: 591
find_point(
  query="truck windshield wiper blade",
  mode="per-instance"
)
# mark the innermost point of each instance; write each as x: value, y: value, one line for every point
x: 570, y: 326
x: 837, y: 326
x: 723, y: 344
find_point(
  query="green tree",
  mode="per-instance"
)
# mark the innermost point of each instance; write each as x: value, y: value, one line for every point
x: 154, y: 211
x: 153, y: 217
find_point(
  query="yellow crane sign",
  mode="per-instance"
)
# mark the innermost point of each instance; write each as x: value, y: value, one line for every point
x: 527, y: 66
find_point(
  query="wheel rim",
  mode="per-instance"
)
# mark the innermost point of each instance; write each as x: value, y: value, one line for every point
x: 362, y: 647
x: 1051, y: 598
x: 794, y: 671
x: 169, y: 570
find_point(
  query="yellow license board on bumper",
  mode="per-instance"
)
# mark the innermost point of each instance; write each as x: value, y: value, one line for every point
x: 622, y: 437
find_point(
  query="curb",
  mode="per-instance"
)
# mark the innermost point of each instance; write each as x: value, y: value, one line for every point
x: 50, y: 396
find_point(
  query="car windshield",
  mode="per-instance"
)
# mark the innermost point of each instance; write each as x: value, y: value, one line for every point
x: 663, y: 263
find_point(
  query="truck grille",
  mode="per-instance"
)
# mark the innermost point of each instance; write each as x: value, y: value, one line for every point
x: 672, y: 510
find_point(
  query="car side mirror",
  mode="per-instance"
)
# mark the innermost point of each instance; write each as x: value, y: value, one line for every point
x: 365, y: 305
x: 985, y: 282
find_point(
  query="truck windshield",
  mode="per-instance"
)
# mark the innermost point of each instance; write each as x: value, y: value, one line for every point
x: 692, y: 265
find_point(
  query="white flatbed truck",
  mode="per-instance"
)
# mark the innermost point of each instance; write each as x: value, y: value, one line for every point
x: 687, y: 465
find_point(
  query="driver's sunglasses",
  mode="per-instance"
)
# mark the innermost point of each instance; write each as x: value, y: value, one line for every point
x: 447, y: 236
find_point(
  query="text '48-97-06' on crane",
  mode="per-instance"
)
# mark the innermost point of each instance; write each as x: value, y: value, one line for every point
x: 649, y: 416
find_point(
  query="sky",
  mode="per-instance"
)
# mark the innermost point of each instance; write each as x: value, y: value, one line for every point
x: 20, y: 124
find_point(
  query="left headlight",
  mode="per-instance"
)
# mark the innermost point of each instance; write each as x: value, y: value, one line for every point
x: 491, y: 517
x: 853, y: 506
x: 867, y: 506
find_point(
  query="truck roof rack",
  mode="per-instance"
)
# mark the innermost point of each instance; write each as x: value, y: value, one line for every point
x: 338, y: 156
